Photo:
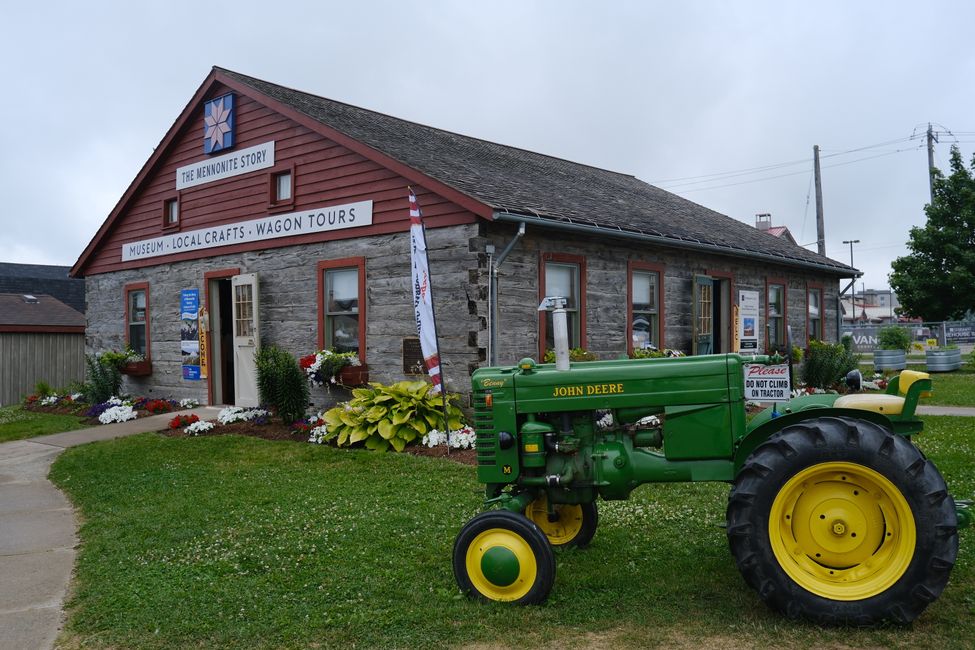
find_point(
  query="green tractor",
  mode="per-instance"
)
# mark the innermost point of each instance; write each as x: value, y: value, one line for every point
x: 834, y: 514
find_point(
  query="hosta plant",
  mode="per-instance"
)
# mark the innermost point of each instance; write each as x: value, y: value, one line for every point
x: 382, y: 416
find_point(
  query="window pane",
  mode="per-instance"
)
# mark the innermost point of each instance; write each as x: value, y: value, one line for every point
x: 283, y: 186
x: 814, y: 304
x: 644, y: 291
x: 343, y: 333
x: 563, y: 280
x: 137, y: 338
x: 572, y: 320
x: 137, y: 306
x: 342, y: 291
x: 245, y: 310
x: 775, y: 292
x: 172, y: 211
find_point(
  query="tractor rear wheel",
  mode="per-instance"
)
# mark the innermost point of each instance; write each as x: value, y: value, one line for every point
x: 574, y: 525
x: 505, y: 557
x: 838, y: 520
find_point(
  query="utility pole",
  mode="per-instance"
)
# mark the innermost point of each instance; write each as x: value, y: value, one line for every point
x: 932, y: 138
x: 820, y: 226
x: 853, y: 283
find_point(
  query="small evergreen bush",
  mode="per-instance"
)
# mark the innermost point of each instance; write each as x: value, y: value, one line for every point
x: 281, y: 383
x: 826, y: 364
x: 104, y: 380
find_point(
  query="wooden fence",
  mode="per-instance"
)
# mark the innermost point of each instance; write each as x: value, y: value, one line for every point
x: 27, y: 358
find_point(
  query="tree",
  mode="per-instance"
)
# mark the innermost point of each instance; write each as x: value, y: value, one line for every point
x: 936, y: 281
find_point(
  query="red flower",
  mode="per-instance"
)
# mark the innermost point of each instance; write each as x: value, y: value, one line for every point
x: 308, y: 362
x: 181, y: 421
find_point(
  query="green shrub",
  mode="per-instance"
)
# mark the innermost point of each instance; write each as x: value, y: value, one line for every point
x: 575, y: 354
x: 281, y: 383
x: 104, y: 380
x: 826, y: 364
x: 383, y: 416
x: 43, y: 389
x: 894, y: 338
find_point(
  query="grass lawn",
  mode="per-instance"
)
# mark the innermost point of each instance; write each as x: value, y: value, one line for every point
x: 238, y: 542
x: 16, y: 423
x: 952, y: 388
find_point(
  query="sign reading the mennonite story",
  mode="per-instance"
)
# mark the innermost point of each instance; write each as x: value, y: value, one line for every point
x: 767, y: 383
x: 748, y: 321
x: 336, y: 217
x: 244, y: 161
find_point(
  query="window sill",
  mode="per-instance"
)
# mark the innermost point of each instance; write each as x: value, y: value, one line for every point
x: 283, y: 206
x: 137, y: 368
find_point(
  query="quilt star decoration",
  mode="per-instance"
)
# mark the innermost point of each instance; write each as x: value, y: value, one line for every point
x: 218, y: 124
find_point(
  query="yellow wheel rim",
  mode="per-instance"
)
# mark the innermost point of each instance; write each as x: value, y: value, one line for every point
x: 501, y: 565
x: 559, y: 532
x: 842, y: 531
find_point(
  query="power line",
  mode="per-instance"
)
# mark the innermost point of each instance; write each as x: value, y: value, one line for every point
x: 749, y: 170
x: 769, y: 178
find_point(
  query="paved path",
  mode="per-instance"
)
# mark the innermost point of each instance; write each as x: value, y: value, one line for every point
x: 966, y: 411
x: 37, y: 530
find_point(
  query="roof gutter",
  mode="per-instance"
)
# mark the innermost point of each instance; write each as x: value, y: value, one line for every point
x: 668, y: 241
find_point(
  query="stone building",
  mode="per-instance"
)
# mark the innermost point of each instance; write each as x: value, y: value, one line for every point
x: 286, y: 216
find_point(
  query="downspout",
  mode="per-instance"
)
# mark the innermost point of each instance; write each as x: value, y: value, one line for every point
x: 493, y: 295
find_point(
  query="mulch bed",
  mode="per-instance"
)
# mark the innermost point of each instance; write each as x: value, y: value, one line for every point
x: 277, y: 431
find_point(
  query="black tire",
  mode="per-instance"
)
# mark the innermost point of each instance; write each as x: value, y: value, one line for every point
x: 575, y: 524
x: 808, y: 489
x: 503, y: 556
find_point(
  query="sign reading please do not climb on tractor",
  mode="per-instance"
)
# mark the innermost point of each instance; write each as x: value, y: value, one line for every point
x: 767, y: 383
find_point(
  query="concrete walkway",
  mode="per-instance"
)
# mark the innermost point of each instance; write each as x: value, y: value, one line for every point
x: 965, y: 411
x: 37, y: 530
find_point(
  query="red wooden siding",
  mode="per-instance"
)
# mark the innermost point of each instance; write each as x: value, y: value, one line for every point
x: 326, y: 173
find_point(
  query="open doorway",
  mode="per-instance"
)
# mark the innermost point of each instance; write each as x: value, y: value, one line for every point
x: 712, y: 315
x: 220, y: 297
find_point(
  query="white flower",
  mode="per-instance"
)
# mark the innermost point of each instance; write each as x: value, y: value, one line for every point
x: 239, y: 414
x: 606, y: 421
x: 50, y: 400
x: 464, y: 438
x: 198, y: 427
x: 119, y: 413
x: 317, y: 435
x: 75, y: 396
x: 188, y: 403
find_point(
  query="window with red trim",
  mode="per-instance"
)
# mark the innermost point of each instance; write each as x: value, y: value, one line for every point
x: 137, y: 317
x: 281, y: 187
x: 342, y: 305
x: 645, y: 299
x: 171, y: 213
x: 814, y: 313
x: 565, y: 276
x: 776, y: 314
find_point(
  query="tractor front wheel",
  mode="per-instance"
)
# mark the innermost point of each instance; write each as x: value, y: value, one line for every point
x: 505, y: 557
x: 574, y: 524
x: 839, y: 520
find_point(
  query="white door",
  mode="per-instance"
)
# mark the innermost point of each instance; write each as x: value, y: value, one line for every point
x: 246, y: 338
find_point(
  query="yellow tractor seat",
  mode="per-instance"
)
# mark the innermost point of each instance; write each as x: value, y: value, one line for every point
x: 908, y: 377
x: 884, y: 404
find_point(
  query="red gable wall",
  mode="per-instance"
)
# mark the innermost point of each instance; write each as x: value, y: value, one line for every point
x: 326, y: 173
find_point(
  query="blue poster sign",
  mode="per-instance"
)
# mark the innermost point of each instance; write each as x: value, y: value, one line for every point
x: 218, y: 124
x: 189, y: 333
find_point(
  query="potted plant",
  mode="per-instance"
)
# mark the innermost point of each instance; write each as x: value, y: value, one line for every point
x: 327, y: 367
x: 892, y: 345
x: 128, y: 361
x: 943, y: 359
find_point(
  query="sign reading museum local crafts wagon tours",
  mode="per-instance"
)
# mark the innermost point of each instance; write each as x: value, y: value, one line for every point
x: 335, y: 217
x: 767, y: 383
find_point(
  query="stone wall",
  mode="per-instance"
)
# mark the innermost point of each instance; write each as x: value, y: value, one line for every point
x: 606, y: 290
x: 459, y: 265
x: 289, y: 305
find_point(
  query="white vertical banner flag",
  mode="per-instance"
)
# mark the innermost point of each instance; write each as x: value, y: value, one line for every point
x: 426, y: 326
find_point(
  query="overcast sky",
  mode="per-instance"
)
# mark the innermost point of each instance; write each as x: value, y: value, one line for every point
x: 646, y: 88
